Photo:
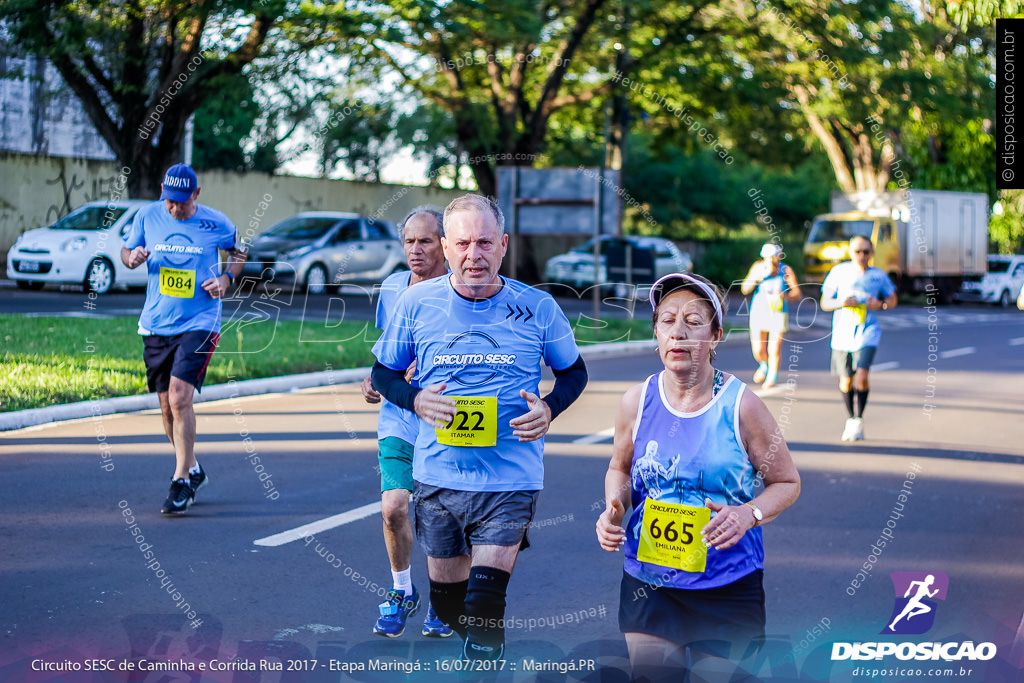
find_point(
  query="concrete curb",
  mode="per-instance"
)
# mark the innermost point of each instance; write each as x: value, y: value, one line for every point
x: 217, y: 392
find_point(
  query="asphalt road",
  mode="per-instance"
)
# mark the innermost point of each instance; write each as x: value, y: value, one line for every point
x: 74, y: 585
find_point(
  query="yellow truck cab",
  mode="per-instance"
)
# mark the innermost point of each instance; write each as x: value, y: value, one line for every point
x: 829, y: 239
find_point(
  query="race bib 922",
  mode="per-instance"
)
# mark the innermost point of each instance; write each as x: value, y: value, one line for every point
x: 475, y: 422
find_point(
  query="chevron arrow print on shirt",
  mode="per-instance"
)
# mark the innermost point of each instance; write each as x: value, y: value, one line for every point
x: 519, y: 312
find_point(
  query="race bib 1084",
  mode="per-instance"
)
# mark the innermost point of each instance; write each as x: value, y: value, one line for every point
x: 475, y: 422
x: 179, y: 283
x: 670, y: 536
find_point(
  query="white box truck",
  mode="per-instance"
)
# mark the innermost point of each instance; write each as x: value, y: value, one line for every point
x: 924, y: 239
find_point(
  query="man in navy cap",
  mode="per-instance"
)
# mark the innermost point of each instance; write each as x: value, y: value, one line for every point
x: 178, y: 240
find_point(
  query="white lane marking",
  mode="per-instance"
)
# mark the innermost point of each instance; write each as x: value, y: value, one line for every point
x: 1017, y: 342
x: 882, y: 367
x: 953, y: 353
x: 596, y: 438
x: 318, y: 526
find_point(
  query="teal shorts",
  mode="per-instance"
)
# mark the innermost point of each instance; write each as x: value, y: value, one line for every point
x: 395, y: 458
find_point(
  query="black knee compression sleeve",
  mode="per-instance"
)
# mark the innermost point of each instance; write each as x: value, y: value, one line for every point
x: 449, y: 601
x: 485, y: 610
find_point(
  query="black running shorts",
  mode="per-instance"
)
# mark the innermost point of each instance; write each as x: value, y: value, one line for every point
x: 184, y: 356
x: 722, y: 621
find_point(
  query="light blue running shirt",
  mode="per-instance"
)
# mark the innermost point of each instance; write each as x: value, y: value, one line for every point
x: 182, y: 255
x: 846, y: 280
x: 394, y: 421
x: 683, y: 458
x: 488, y: 348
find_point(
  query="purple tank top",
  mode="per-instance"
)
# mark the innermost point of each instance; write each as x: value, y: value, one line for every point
x: 684, y: 458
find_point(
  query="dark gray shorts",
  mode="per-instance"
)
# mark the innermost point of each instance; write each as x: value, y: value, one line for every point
x: 449, y: 523
x: 846, y: 363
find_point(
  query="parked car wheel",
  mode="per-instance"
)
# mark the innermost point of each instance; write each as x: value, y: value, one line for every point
x: 1004, y: 299
x: 99, y: 276
x: 316, y: 279
x: 30, y: 285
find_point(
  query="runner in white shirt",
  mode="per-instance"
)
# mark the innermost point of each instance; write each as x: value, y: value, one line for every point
x: 855, y: 290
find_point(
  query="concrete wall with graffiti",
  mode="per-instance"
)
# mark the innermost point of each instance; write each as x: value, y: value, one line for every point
x: 35, y: 191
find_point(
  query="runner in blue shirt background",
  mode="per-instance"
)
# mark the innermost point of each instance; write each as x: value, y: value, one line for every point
x: 178, y: 240
x: 421, y: 232
x: 478, y: 341
x: 854, y: 290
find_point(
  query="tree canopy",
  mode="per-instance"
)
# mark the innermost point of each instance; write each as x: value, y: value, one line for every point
x: 712, y: 94
x: 140, y: 68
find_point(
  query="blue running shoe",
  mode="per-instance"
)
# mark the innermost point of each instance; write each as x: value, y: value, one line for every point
x: 434, y: 627
x: 395, y: 611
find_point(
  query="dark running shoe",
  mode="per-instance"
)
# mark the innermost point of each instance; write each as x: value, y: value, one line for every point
x: 179, y: 498
x: 197, y: 481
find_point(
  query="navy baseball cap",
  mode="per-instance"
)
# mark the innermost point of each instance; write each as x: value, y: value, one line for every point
x: 180, y: 182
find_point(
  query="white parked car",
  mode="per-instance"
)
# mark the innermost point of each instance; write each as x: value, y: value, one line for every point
x: 1000, y: 285
x: 83, y: 248
x: 576, y: 268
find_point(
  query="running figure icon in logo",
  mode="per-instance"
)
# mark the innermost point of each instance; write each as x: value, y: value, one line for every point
x: 921, y: 604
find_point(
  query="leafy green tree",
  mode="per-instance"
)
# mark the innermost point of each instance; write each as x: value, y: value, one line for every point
x: 222, y: 122
x: 140, y: 68
x: 500, y: 70
x: 872, y: 77
x: 981, y: 12
x: 1006, y: 228
x: 360, y: 134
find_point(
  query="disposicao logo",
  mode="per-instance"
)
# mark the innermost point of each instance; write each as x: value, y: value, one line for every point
x: 917, y: 594
x: 916, y: 599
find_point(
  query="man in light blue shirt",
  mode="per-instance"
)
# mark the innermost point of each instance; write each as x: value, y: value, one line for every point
x: 854, y: 290
x: 178, y: 240
x: 421, y: 234
x: 478, y: 341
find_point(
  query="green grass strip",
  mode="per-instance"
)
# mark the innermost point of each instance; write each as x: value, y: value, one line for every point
x: 49, y: 360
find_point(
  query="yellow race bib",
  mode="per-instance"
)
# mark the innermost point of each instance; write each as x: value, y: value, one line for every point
x: 860, y: 313
x: 475, y: 422
x: 179, y: 283
x: 670, y: 536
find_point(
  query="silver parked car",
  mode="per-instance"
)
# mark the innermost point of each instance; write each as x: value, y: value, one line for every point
x: 576, y: 268
x: 83, y: 248
x: 319, y: 250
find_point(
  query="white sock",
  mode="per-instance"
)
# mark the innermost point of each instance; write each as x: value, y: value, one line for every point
x: 403, y: 580
x: 194, y: 470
